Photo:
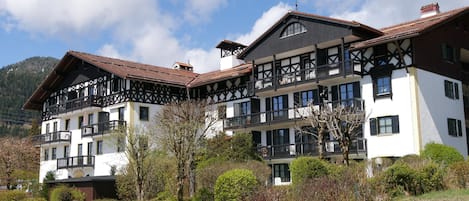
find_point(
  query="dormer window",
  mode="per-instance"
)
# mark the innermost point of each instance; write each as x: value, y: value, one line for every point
x: 293, y: 29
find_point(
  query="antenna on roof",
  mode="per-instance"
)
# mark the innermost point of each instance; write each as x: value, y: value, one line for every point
x: 296, y: 5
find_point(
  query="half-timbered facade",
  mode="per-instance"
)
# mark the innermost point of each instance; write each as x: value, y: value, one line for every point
x: 410, y: 79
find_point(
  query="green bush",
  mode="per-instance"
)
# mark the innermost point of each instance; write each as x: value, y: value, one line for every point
x: 236, y: 184
x: 34, y: 199
x: 64, y: 193
x: 458, y: 174
x: 203, y: 194
x: 304, y: 168
x: 12, y: 195
x: 442, y: 154
x: 400, y: 178
x: 430, y: 177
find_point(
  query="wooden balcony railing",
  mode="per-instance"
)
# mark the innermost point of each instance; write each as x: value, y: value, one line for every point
x: 57, y: 136
x: 102, y: 128
x: 71, y: 105
x: 306, y: 75
x: 74, y: 162
x: 282, y: 115
x: 331, y: 148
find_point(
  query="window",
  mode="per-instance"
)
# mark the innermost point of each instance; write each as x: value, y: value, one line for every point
x: 451, y: 89
x: 48, y: 128
x: 54, y: 153
x: 54, y: 127
x: 448, y: 53
x: 293, y: 29
x: 382, y: 86
x: 121, y: 113
x: 46, y: 154
x: 67, y: 124
x: 90, y: 149
x: 242, y: 109
x: 66, y: 151
x: 143, y: 113
x: 282, y: 171
x: 279, y: 107
x: 99, y: 147
x: 80, y: 150
x: 80, y: 122
x: 454, y: 127
x: 118, y: 85
x: 90, y: 119
x: 302, y: 99
x: 384, y: 125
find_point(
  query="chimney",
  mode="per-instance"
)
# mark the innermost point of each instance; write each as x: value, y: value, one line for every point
x: 429, y: 10
x: 183, y: 66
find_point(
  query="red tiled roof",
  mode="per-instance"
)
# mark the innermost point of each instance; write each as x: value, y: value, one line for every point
x: 219, y: 75
x: 137, y: 71
x: 412, y: 28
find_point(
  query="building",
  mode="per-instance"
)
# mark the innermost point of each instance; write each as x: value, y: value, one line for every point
x: 411, y: 79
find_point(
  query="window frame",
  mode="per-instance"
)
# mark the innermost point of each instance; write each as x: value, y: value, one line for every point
x: 375, y: 125
x: 454, y: 127
x: 387, y: 83
x: 451, y: 89
x: 99, y: 147
x: 46, y: 154
x: 144, y: 113
x: 293, y: 29
x: 54, y: 153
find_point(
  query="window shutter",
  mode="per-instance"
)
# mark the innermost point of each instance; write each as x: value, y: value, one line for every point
x: 236, y: 109
x: 267, y: 104
x: 315, y: 97
x: 296, y: 99
x: 456, y: 91
x: 335, y: 93
x: 356, y: 90
x: 269, y: 138
x: 373, y: 126
x: 444, y: 52
x: 459, y: 128
x: 285, y: 101
x: 395, y: 124
x: 448, y: 89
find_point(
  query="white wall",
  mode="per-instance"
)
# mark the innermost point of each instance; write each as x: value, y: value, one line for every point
x: 435, y: 108
x: 400, y: 104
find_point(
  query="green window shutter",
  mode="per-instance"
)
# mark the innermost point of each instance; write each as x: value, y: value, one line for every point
x: 395, y: 124
x: 373, y: 127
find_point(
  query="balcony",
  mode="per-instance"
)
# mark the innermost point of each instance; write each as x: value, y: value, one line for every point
x: 57, y: 136
x: 308, y: 75
x: 357, y: 149
x: 102, y: 128
x: 71, y: 105
x: 283, y: 115
x: 75, y: 162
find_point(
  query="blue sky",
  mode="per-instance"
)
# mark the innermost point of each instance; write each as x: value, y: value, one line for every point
x: 165, y: 31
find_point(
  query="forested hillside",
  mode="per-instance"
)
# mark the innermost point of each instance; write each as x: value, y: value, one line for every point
x: 17, y: 82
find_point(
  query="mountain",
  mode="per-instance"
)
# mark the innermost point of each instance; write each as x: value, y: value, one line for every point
x: 17, y: 82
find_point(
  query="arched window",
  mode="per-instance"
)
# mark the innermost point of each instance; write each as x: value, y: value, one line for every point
x: 293, y: 29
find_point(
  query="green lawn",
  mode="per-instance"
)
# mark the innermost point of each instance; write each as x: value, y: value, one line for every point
x: 450, y: 195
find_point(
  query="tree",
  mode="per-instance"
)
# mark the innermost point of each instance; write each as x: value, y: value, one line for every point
x: 182, y: 127
x: 16, y: 155
x: 138, y: 153
x: 342, y: 120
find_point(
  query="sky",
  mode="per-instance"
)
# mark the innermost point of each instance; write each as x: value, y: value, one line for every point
x: 161, y: 32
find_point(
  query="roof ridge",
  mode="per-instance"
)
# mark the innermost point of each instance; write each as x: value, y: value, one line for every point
x: 425, y: 19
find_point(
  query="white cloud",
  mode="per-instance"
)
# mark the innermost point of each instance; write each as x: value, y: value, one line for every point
x: 382, y: 13
x: 197, y: 11
x: 267, y: 19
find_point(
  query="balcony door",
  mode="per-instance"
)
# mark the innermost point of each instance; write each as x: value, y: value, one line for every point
x: 277, y: 107
x: 80, y: 154
x: 279, y: 140
x: 346, y: 93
